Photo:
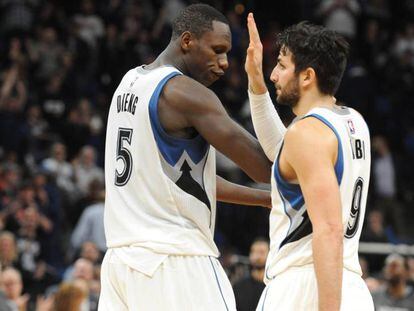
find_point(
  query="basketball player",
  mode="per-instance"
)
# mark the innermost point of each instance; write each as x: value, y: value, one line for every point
x: 320, y: 174
x: 163, y: 127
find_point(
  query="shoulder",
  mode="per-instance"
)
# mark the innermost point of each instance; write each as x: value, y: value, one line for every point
x: 183, y: 92
x: 310, y: 131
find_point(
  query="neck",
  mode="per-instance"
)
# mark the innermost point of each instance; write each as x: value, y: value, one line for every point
x: 397, y: 290
x: 313, y: 99
x: 170, y: 56
x: 258, y: 274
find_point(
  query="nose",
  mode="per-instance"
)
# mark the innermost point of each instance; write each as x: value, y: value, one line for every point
x: 223, y: 62
x: 274, y: 76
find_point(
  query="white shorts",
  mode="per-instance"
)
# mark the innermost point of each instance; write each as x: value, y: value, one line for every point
x: 296, y: 289
x: 180, y: 283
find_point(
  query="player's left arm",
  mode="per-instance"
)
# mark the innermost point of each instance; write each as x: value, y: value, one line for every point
x: 311, y: 150
x: 233, y: 193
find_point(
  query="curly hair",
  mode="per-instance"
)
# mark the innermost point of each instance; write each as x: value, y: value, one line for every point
x: 197, y: 19
x: 317, y: 47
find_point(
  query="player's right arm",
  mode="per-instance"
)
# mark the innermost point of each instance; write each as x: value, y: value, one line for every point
x: 190, y: 104
x: 267, y: 124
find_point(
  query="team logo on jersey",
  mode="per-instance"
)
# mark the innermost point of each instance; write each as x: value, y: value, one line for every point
x: 188, y: 176
x: 351, y: 126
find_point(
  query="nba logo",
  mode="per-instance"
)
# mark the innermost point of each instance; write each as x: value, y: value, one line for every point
x: 351, y: 126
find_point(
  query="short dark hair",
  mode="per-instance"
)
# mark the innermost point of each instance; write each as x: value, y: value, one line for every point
x: 318, y: 47
x: 197, y: 19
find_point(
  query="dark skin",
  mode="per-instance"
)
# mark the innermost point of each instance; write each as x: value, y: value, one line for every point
x: 187, y: 107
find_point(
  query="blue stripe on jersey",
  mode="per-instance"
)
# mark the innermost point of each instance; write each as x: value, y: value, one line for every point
x: 170, y: 147
x: 290, y: 192
x: 339, y: 165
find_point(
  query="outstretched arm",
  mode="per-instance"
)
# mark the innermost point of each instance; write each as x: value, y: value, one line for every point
x: 267, y: 124
x: 232, y: 193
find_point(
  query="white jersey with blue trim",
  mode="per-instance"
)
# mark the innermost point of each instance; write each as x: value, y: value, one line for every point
x: 290, y: 226
x: 160, y: 190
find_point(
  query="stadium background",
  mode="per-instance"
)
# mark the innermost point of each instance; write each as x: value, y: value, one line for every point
x: 60, y: 62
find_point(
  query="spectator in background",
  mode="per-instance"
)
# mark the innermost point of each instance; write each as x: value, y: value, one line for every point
x: 91, y: 27
x: 384, y: 171
x: 385, y: 185
x: 340, y: 15
x: 71, y: 297
x: 247, y: 291
x: 375, y: 231
x: 88, y: 251
x: 404, y: 44
x: 90, y: 226
x: 84, y: 271
x: 395, y: 294
x: 39, y: 136
x: 5, y: 304
x: 62, y: 170
x: 8, y: 250
x: 13, y: 288
x: 86, y: 169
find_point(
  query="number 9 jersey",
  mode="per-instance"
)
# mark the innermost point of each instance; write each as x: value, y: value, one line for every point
x: 160, y: 190
x: 290, y: 226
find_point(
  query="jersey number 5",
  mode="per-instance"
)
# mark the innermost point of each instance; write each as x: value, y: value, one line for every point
x: 122, y: 153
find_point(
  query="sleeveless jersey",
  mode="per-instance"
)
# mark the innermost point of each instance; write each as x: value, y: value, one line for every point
x: 160, y: 190
x: 290, y: 226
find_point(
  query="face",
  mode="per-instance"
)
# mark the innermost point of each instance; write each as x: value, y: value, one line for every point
x: 395, y: 271
x: 258, y: 254
x: 12, y: 283
x: 207, y: 58
x: 83, y: 269
x: 90, y: 251
x: 285, y: 80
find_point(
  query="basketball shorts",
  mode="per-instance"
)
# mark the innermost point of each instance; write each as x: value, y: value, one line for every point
x: 296, y: 290
x: 180, y: 283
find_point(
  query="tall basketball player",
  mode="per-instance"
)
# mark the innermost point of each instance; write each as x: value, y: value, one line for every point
x: 320, y: 174
x: 163, y: 127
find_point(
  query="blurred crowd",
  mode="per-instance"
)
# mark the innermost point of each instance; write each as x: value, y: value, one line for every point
x: 60, y: 62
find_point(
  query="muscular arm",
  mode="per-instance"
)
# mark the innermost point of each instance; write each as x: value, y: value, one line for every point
x: 186, y: 103
x: 233, y: 193
x: 311, y: 151
x: 267, y: 124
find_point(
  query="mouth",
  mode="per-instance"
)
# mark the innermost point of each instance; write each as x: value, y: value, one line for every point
x: 218, y: 74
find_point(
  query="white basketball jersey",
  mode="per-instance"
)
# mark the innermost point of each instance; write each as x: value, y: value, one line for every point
x: 290, y: 226
x: 160, y: 190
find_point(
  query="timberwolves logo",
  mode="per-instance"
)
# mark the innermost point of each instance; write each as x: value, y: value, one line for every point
x: 354, y: 216
x: 188, y: 176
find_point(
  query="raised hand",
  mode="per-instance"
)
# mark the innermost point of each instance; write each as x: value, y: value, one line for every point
x: 254, y: 58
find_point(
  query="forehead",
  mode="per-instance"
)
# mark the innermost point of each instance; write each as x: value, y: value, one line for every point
x: 285, y: 55
x: 220, y: 34
x: 259, y: 245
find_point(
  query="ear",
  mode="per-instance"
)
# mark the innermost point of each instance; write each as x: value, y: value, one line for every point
x: 187, y: 41
x: 308, y: 77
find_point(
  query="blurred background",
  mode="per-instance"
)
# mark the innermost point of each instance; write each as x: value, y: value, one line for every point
x: 60, y: 62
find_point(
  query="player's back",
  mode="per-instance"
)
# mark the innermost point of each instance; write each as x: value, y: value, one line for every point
x: 160, y: 190
x: 290, y: 226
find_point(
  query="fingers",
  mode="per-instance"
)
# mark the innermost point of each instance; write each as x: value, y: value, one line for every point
x: 251, y: 26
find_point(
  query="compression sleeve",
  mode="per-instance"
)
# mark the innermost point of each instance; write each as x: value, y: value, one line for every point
x: 267, y: 124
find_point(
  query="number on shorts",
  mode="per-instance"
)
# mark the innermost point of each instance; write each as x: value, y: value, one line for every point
x: 122, y: 153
